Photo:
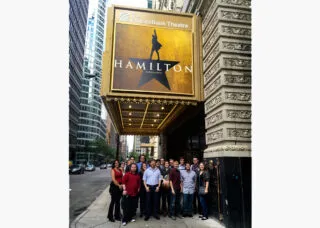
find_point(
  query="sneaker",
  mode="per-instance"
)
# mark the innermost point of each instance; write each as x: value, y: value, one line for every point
x: 204, y: 218
x: 173, y: 218
x: 157, y: 217
x: 146, y: 218
x: 133, y: 220
x: 111, y: 220
x: 124, y: 223
x: 200, y: 216
x: 180, y: 217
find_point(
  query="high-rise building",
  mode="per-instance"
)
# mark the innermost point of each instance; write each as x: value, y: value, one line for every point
x: 91, y: 124
x: 175, y: 5
x: 111, y: 134
x: 146, y: 144
x: 78, y: 13
x: 123, y: 147
x: 136, y: 144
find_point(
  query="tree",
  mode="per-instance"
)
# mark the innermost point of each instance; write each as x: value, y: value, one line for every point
x: 136, y: 155
x: 99, y: 147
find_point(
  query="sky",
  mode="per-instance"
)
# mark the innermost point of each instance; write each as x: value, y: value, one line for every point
x: 133, y: 3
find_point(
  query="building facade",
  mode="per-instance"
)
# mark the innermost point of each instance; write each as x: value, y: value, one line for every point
x: 78, y: 13
x: 147, y: 144
x: 123, y: 147
x: 215, y: 125
x: 226, y: 40
x: 92, y: 124
x: 175, y: 5
x: 111, y: 134
x: 136, y: 144
x: 219, y: 130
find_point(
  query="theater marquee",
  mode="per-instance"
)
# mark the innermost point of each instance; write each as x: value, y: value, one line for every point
x: 152, y: 52
x: 152, y: 55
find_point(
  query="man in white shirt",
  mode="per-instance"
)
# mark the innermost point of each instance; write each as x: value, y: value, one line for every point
x: 188, y: 179
x: 152, y: 180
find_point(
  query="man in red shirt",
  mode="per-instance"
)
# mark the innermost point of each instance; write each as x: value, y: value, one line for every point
x: 131, y: 186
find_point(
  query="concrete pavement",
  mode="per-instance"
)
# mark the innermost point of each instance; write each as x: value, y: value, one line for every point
x: 85, y: 189
x: 96, y: 217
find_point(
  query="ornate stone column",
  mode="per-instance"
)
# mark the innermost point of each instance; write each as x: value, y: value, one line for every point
x: 226, y: 29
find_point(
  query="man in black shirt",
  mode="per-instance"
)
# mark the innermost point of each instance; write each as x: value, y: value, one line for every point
x: 176, y: 188
x: 165, y: 188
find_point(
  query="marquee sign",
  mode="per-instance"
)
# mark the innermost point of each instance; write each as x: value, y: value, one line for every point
x: 152, y: 68
x: 152, y: 52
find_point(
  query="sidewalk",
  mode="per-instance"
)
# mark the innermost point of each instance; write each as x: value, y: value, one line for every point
x: 96, y: 217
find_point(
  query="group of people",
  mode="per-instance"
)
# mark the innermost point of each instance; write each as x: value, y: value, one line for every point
x: 172, y: 188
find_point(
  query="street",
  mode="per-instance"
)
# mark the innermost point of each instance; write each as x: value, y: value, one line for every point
x: 85, y: 188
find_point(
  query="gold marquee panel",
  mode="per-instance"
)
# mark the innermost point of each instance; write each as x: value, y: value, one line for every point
x: 142, y: 93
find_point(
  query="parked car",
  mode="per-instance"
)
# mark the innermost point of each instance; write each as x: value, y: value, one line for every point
x: 90, y: 168
x: 103, y: 166
x: 109, y: 165
x: 76, y: 169
x: 83, y: 167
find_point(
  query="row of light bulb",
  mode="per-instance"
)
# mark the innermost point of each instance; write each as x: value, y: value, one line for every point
x: 162, y: 108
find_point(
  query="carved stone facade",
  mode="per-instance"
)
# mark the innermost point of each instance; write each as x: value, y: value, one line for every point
x: 227, y: 62
x: 228, y: 78
x: 228, y: 113
x: 214, y: 136
x: 228, y: 46
x: 226, y: 132
x: 226, y: 36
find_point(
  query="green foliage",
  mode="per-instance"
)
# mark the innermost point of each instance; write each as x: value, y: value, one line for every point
x: 100, y: 147
x: 136, y: 155
x: 147, y: 156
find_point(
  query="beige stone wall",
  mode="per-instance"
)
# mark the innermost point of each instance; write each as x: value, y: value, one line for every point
x: 226, y: 31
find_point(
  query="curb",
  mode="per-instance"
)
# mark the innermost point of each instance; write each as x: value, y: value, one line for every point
x: 79, y: 217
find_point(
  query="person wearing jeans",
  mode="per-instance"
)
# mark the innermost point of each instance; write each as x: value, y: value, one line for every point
x: 196, y: 199
x: 152, y: 181
x: 188, y: 179
x: 203, y: 183
x: 165, y: 188
x: 142, y: 193
x: 176, y: 188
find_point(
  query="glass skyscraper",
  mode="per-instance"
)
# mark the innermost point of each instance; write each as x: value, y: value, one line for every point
x: 78, y: 13
x: 91, y: 125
